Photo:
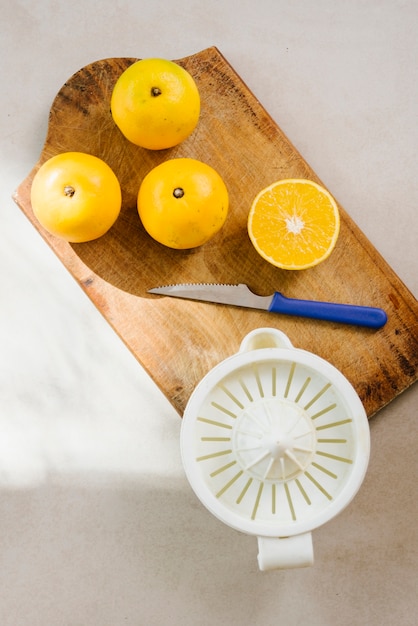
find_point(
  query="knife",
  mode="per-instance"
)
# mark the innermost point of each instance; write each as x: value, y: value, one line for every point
x: 241, y: 295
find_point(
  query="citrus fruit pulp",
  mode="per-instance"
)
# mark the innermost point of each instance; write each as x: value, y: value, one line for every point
x: 294, y: 223
x: 155, y: 103
x: 183, y: 203
x: 76, y: 196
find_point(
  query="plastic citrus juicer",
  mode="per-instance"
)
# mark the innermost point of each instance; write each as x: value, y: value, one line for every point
x: 275, y: 442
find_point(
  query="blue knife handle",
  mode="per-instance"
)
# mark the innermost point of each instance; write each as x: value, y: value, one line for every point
x: 344, y: 313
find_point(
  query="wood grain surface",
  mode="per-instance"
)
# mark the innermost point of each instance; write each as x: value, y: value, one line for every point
x: 178, y: 341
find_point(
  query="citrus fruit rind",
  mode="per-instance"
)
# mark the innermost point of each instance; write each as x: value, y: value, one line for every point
x: 294, y: 223
x: 76, y: 196
x: 183, y: 203
x: 155, y: 103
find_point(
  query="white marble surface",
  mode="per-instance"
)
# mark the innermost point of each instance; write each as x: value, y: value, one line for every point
x: 98, y: 526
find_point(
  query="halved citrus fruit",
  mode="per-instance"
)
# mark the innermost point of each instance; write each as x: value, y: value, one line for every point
x: 294, y: 223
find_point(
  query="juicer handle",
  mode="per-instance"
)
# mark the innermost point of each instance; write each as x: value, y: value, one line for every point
x: 285, y: 552
x: 265, y: 338
x: 344, y: 313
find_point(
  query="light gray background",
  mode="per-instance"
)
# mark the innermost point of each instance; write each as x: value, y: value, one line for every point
x: 98, y: 526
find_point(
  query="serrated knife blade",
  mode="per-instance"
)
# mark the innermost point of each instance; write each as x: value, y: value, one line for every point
x: 241, y: 295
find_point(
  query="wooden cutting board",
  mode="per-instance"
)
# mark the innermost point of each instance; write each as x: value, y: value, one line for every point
x: 178, y: 341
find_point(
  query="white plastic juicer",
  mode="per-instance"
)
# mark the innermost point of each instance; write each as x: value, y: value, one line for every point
x: 275, y: 442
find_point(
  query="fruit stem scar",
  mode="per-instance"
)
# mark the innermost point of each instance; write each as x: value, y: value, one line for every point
x: 69, y: 191
x: 155, y: 91
x: 178, y: 192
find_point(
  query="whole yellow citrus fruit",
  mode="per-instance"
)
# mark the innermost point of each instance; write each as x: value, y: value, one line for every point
x: 294, y: 224
x: 183, y: 203
x: 155, y: 103
x: 76, y: 196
